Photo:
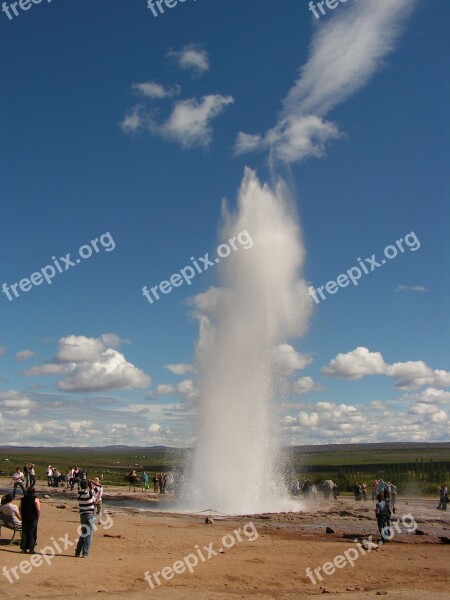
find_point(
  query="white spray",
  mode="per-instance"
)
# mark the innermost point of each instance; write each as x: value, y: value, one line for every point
x: 261, y: 303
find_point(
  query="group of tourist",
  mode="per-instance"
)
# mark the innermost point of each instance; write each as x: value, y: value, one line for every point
x: 72, y: 478
x: 25, y: 517
x: 162, y: 482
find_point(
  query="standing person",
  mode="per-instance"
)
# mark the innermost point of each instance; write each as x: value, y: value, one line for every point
x: 364, y: 492
x: 87, y: 519
x: 374, y: 490
x: 132, y: 480
x: 162, y: 483
x: 156, y: 483
x: 440, y: 506
x: 144, y: 480
x: 358, y: 492
x: 383, y: 515
x: 76, y: 478
x: 445, y: 498
x: 32, y: 476
x: 97, y: 493
x: 56, y: 475
x: 19, y: 480
x: 393, y: 495
x: 30, y: 510
x: 26, y: 472
x: 49, y: 476
x: 335, y: 491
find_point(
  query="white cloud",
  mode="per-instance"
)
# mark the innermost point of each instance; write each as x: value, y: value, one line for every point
x: 135, y: 119
x: 411, y: 288
x: 410, y: 375
x: 189, y: 123
x: 15, y: 404
x: 49, y: 370
x: 151, y: 89
x: 92, y: 365
x: 345, y: 53
x: 356, y: 364
x: 179, y: 368
x: 191, y: 58
x: 287, y: 360
x: 304, y: 385
x: 431, y: 395
x: 329, y: 423
x: 24, y: 355
x: 407, y: 375
x: 186, y: 388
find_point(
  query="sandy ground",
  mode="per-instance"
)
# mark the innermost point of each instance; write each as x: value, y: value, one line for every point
x: 272, y: 566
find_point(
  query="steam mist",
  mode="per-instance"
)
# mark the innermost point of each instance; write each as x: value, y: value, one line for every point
x: 260, y: 304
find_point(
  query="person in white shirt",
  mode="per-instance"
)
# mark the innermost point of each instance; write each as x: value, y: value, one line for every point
x: 97, y: 493
x: 49, y: 475
x: 19, y: 480
x: 10, y: 510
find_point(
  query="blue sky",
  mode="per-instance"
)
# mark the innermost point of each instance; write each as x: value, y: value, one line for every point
x: 118, y: 122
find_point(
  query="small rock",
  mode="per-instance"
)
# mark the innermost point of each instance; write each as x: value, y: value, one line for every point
x: 209, y: 521
x: 420, y: 532
x: 329, y: 530
x: 381, y: 594
x: 61, y: 506
x: 45, y: 496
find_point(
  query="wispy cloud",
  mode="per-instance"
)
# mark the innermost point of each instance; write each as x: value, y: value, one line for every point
x: 191, y: 58
x: 189, y: 124
x: 2, y: 349
x: 345, y: 53
x: 151, y: 89
x: 24, y: 355
x: 179, y: 368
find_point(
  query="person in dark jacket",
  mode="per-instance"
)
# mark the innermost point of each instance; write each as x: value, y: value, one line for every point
x: 29, y: 509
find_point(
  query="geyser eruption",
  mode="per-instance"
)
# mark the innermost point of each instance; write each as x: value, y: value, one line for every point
x: 261, y: 302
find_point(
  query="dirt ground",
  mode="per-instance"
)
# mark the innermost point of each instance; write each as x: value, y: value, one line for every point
x: 266, y: 559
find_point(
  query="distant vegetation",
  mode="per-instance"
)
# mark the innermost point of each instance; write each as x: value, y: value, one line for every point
x: 413, y: 467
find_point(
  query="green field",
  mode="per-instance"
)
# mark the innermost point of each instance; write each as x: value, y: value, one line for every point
x: 425, y: 465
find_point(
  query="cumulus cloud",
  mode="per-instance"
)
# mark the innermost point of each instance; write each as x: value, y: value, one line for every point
x: 24, y: 355
x: 407, y: 375
x: 92, y: 365
x: 151, y: 89
x: 304, y: 385
x: 356, y: 364
x: 287, y: 360
x: 191, y: 58
x: 345, y: 53
x: 327, y: 423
